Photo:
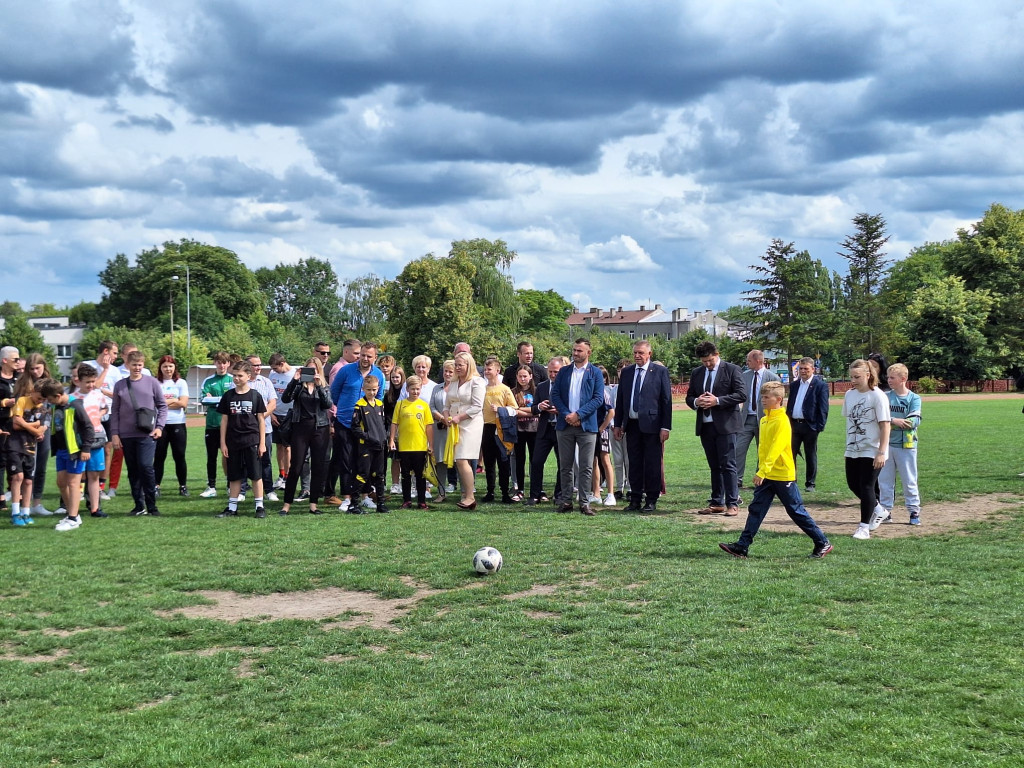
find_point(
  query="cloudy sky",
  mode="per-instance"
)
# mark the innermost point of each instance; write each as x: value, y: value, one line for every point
x: 630, y: 152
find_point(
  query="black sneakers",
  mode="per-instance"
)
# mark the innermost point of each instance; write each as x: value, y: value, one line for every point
x: 228, y: 512
x: 735, y: 550
x: 820, y: 550
x: 261, y: 512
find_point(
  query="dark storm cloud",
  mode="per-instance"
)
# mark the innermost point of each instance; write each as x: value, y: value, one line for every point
x: 80, y: 46
x: 158, y: 123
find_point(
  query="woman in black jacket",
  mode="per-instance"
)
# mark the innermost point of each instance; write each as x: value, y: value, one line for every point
x: 310, y: 421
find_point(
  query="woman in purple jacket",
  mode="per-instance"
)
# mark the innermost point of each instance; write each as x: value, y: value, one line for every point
x: 138, y: 444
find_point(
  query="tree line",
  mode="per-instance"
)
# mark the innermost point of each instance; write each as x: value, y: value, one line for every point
x: 949, y: 310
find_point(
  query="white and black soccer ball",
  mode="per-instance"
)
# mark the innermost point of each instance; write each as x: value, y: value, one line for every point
x: 487, y: 560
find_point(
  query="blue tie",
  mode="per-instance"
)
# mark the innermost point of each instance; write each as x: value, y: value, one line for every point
x: 637, y: 385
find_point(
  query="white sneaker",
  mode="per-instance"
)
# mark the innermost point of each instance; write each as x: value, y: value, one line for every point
x: 345, y: 504
x: 272, y: 496
x: 369, y: 503
x: 41, y: 511
x: 610, y: 500
x: 60, y: 510
x: 594, y: 499
x: 7, y: 496
x: 396, y: 488
x: 69, y: 523
x: 209, y: 493
x: 877, y: 517
x: 450, y: 488
x: 105, y: 496
x: 241, y: 498
x: 427, y: 495
x: 863, y: 532
x: 279, y: 484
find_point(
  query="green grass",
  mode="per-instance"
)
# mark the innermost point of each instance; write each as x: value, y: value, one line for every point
x: 655, y: 648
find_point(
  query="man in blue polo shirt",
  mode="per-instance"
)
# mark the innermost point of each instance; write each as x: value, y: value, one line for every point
x: 346, y: 389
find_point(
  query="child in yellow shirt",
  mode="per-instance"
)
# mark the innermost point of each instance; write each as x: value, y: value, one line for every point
x: 412, y: 431
x: 776, y: 476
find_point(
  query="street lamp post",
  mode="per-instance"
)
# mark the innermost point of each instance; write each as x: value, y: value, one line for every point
x: 173, y: 279
x: 188, y: 304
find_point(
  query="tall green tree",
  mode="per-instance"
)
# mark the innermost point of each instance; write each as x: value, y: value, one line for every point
x: 430, y: 307
x: 989, y: 256
x: 18, y: 332
x: 792, y: 301
x: 944, y: 330
x: 303, y: 295
x: 364, y: 307
x: 493, y: 288
x: 864, y: 313
x: 136, y: 291
x: 542, y: 312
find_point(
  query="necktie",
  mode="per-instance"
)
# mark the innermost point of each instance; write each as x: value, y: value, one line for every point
x: 707, y: 381
x: 753, y: 393
x: 637, y: 385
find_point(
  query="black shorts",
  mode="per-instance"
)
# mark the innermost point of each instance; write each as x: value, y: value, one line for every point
x: 19, y: 462
x: 278, y: 437
x: 244, y: 463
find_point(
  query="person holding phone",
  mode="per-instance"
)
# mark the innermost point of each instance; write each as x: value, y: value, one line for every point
x: 311, y: 431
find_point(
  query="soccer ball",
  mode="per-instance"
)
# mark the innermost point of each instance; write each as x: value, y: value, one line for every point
x: 487, y: 560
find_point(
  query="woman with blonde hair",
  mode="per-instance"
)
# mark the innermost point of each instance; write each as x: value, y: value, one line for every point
x: 868, y: 421
x: 464, y: 406
x: 310, y: 430
x: 446, y: 476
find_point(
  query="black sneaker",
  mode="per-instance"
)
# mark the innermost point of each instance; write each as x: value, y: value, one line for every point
x: 98, y: 513
x: 304, y: 496
x: 261, y: 512
x: 487, y: 499
x: 228, y: 512
x: 735, y: 550
x: 820, y: 550
x: 137, y: 512
x: 154, y: 512
x: 383, y: 510
x: 183, y: 490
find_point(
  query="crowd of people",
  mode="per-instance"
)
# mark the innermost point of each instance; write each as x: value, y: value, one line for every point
x: 336, y: 426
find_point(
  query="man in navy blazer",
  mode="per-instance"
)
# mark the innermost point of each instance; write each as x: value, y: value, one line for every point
x: 716, y: 392
x: 577, y: 393
x: 808, y: 411
x: 643, y: 412
x: 547, y: 435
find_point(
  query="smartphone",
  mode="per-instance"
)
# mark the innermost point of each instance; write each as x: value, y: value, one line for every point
x: 307, y: 374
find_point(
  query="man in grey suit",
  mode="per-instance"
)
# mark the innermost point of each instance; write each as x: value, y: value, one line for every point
x: 753, y: 379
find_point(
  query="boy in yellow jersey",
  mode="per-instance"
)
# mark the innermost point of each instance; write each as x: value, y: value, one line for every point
x: 776, y: 476
x: 412, y: 428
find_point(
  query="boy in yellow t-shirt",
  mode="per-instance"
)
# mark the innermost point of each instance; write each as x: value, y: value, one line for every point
x: 28, y: 428
x: 413, y: 427
x: 776, y: 476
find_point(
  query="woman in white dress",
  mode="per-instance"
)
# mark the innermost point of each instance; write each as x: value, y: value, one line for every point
x: 464, y: 407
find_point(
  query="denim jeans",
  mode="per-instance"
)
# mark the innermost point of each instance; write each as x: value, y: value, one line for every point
x: 789, y: 495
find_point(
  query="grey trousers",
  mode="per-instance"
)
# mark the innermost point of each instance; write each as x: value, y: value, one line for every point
x: 749, y: 434
x: 569, y: 439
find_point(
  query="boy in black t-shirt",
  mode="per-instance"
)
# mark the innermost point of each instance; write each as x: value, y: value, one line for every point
x: 243, y: 437
x: 371, y: 448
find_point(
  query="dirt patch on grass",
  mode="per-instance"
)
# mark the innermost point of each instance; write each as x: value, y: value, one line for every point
x: 843, y: 518
x: 156, y: 703
x: 534, y: 591
x: 77, y: 630
x: 543, y: 614
x: 10, y: 654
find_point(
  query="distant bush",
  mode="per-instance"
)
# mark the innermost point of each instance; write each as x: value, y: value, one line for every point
x: 926, y: 385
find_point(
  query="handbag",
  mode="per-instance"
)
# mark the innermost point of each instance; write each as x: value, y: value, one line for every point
x: 145, y: 418
x: 528, y: 423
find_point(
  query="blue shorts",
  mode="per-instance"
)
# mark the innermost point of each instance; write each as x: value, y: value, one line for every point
x: 66, y: 464
x: 97, y: 460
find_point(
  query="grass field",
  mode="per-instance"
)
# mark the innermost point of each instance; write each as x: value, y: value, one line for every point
x: 627, y: 640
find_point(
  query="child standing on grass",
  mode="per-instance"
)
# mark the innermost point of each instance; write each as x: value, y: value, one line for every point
x: 72, y: 435
x: 213, y: 388
x: 776, y: 476
x: 412, y: 435
x: 95, y: 404
x: 371, y: 447
x: 243, y: 437
x: 905, y: 409
x: 27, y: 430
x: 866, y: 409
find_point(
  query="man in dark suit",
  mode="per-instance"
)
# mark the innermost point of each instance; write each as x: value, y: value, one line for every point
x: 754, y: 378
x: 808, y: 411
x: 577, y: 393
x: 643, y: 412
x: 547, y: 438
x: 716, y: 393
x: 524, y: 353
